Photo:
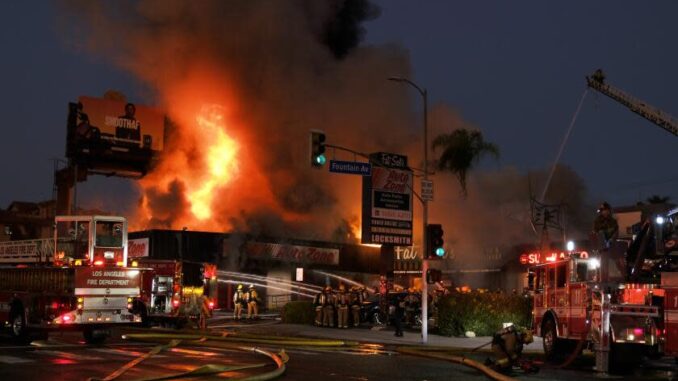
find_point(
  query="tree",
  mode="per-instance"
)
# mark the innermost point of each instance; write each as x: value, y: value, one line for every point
x: 461, y: 151
x: 657, y: 199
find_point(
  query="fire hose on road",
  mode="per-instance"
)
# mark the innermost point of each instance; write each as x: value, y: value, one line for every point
x: 489, y: 372
x: 229, y: 341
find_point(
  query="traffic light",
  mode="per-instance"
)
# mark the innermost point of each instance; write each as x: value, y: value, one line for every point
x: 318, y: 158
x: 434, y: 241
x: 433, y: 276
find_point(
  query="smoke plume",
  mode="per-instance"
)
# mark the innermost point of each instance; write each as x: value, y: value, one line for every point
x: 255, y: 76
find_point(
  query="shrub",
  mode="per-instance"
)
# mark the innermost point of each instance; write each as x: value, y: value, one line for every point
x: 481, y: 312
x: 298, y: 312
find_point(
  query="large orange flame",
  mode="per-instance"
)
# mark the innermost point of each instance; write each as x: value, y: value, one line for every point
x: 220, y: 157
x: 204, y: 161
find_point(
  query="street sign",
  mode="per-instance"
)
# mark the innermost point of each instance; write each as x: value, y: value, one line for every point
x: 350, y: 167
x: 427, y: 190
x: 387, y: 202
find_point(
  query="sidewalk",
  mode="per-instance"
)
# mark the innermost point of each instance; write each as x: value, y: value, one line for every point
x: 379, y: 335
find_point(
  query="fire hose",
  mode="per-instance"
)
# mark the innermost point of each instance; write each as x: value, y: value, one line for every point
x: 230, y: 341
x: 489, y: 372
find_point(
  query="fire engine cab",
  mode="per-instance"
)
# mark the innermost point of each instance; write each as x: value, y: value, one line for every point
x: 77, y: 280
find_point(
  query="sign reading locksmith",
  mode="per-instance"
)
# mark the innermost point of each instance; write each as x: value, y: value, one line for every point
x: 293, y: 253
x: 387, y: 201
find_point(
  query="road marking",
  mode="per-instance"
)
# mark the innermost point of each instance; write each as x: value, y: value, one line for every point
x: 66, y: 355
x: 14, y: 360
x: 122, y: 352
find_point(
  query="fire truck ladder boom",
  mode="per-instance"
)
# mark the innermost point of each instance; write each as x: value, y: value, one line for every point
x: 653, y: 114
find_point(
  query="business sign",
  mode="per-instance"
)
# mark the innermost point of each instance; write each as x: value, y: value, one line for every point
x: 137, y: 248
x: 350, y: 167
x: 407, y: 260
x: 292, y: 253
x: 537, y: 258
x: 387, y: 204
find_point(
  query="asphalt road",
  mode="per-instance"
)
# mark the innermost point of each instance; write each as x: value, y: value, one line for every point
x: 66, y: 357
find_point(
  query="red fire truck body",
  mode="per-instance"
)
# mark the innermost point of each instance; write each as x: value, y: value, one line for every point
x: 77, y: 281
x: 174, y: 292
x: 572, y: 304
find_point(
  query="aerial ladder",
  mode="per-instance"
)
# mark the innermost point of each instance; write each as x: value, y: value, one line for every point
x: 653, y: 114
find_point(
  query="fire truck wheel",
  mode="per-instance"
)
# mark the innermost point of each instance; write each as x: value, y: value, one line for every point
x: 552, y: 345
x: 18, y: 328
x: 94, y: 335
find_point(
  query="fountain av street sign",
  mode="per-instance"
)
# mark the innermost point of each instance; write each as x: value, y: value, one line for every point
x: 350, y: 167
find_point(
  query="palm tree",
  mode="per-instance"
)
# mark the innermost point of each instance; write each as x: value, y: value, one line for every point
x: 461, y: 151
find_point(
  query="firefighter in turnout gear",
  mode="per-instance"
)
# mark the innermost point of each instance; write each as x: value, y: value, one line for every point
x: 239, y: 302
x: 356, y: 300
x: 507, y: 345
x: 252, y: 303
x: 318, y: 302
x: 342, y: 303
x: 606, y: 225
x: 411, y: 304
x: 328, y: 307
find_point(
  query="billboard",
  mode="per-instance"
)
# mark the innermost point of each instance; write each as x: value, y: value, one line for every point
x: 110, y: 135
x: 387, y: 202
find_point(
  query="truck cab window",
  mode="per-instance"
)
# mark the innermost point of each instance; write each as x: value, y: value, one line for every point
x: 561, y: 277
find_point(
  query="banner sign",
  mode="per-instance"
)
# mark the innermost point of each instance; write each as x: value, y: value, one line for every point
x: 387, y: 205
x: 137, y: 248
x: 293, y: 253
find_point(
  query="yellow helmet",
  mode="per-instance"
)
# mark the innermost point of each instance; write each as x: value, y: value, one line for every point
x: 240, y: 287
x: 251, y: 286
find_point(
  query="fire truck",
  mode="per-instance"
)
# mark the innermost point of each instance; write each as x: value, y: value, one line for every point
x: 175, y: 292
x: 77, y: 280
x: 620, y: 301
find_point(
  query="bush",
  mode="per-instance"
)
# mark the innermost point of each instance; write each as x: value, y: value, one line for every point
x: 298, y: 312
x: 481, y: 312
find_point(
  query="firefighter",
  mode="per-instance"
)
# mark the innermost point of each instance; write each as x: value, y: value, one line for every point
x: 328, y: 307
x: 397, y: 312
x: 318, y: 303
x: 605, y: 225
x: 252, y: 303
x: 239, y: 301
x: 507, y: 345
x: 356, y: 301
x: 342, y: 303
x: 411, y: 304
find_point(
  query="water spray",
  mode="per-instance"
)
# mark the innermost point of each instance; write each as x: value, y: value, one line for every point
x: 250, y: 277
x: 268, y: 287
x: 344, y: 279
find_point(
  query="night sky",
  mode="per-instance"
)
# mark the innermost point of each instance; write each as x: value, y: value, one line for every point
x: 514, y: 69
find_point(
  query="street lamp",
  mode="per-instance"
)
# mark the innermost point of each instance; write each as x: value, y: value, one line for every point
x: 424, y: 262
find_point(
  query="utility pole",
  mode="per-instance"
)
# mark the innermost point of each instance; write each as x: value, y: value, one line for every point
x: 424, y: 261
